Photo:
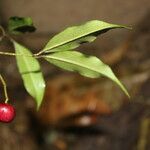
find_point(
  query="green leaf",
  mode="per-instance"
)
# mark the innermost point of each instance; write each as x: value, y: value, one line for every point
x: 72, y: 37
x: 17, y: 25
x: 88, y: 66
x: 29, y: 69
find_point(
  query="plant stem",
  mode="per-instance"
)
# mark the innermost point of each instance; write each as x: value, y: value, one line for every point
x: 14, y: 54
x: 5, y: 88
x: 37, y: 54
x: 42, y: 51
x: 7, y: 53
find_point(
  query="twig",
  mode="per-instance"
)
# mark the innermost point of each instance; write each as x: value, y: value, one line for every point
x: 5, y: 88
x: 14, y: 54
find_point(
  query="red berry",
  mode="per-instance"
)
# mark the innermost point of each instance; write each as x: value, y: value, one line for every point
x: 7, y: 113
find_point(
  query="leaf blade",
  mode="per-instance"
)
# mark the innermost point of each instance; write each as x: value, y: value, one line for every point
x: 71, y: 35
x: 88, y: 66
x: 29, y: 69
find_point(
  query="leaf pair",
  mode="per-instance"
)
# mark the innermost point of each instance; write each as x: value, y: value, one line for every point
x: 72, y: 38
x: 60, y: 52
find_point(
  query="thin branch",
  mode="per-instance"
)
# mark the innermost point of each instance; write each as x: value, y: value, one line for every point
x: 39, y: 53
x: 5, y: 88
x: 14, y: 54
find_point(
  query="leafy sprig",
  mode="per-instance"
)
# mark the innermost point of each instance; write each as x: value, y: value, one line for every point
x: 59, y: 51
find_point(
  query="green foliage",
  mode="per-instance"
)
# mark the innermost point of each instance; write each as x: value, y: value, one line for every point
x: 72, y: 37
x: 60, y: 52
x: 29, y: 69
x: 17, y: 25
x: 88, y: 66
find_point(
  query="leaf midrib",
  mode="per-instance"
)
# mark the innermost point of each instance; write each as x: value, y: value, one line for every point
x: 29, y: 74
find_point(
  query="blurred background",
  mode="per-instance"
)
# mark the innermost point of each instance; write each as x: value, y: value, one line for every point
x: 81, y: 113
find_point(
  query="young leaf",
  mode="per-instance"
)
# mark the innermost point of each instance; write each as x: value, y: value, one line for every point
x: 17, y: 25
x: 29, y: 69
x: 88, y: 66
x: 72, y: 37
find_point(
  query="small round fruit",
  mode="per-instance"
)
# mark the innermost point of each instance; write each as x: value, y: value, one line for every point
x: 7, y: 112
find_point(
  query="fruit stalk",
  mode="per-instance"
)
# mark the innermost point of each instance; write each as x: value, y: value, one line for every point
x: 5, y: 88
